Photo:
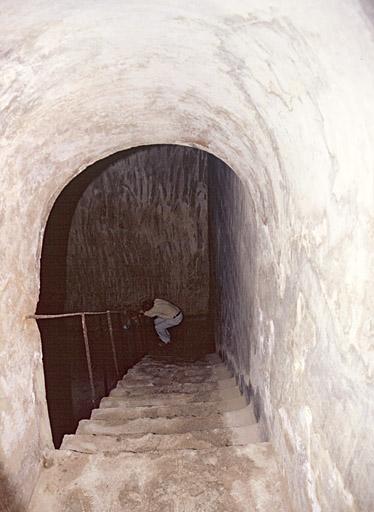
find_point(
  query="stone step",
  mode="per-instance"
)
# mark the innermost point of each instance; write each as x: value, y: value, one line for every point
x: 227, y: 479
x: 213, y: 357
x: 175, y: 397
x: 175, y: 387
x: 194, y: 366
x: 165, y: 385
x: 178, y: 375
x: 188, y: 367
x: 117, y: 426
x: 159, y: 411
x: 180, y: 365
x: 131, y: 413
x: 139, y: 443
x: 180, y: 368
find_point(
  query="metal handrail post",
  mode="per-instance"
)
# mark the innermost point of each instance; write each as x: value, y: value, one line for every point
x: 88, y: 357
x: 114, y: 351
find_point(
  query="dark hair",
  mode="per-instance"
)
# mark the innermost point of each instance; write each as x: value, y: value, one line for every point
x: 147, y: 304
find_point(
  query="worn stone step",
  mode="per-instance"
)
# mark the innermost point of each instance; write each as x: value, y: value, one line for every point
x: 201, y: 369
x: 131, y: 413
x: 167, y: 385
x: 175, y: 387
x: 139, y: 443
x: 228, y: 479
x: 189, y: 409
x: 213, y: 358
x: 116, y: 425
x: 164, y: 380
x: 172, y: 365
x: 207, y: 358
x: 149, y: 362
x: 175, y: 397
x: 178, y: 375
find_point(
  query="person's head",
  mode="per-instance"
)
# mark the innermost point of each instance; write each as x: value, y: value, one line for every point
x: 147, y: 304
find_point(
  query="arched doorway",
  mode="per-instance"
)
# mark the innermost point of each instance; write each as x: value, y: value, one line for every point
x: 130, y: 226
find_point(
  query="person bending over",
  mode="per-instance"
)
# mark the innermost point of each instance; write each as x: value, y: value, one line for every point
x: 165, y: 315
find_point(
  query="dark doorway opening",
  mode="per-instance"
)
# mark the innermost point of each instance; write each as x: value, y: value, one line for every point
x: 131, y: 226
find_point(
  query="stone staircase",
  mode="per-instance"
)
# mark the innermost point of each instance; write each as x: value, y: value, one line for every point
x: 173, y: 436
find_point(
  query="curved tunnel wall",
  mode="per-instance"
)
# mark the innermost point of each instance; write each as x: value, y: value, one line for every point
x: 284, y: 93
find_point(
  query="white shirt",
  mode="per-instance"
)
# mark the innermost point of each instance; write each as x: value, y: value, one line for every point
x: 163, y: 309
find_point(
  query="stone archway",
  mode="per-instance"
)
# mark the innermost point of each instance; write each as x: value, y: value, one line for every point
x: 130, y: 226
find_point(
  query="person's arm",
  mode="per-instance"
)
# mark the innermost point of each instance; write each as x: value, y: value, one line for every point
x: 151, y: 312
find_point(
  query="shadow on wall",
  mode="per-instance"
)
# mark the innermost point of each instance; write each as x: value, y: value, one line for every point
x: 368, y: 8
x: 191, y: 340
x: 8, y: 495
x: 233, y: 269
x: 63, y: 351
x: 140, y: 229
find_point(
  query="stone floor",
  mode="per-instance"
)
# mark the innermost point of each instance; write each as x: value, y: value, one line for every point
x: 172, y: 436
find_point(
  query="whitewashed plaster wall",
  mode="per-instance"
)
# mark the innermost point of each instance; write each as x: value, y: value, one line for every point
x: 283, y: 91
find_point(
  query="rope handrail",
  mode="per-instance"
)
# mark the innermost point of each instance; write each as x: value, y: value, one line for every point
x: 85, y: 335
x: 76, y: 313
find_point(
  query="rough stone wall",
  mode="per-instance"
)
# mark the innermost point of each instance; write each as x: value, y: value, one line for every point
x: 281, y: 91
x: 278, y: 333
x: 140, y: 230
x: 233, y: 267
